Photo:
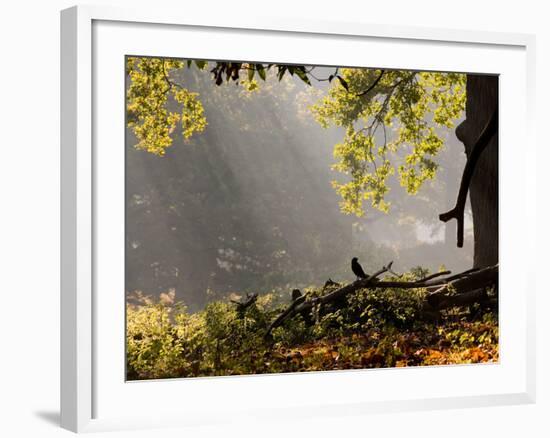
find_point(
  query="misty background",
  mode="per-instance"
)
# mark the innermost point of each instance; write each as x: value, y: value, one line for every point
x: 248, y: 206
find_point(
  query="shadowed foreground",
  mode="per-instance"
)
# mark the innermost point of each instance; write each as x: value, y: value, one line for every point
x: 369, y: 328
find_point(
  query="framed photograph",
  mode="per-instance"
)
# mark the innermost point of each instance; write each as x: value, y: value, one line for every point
x: 282, y: 218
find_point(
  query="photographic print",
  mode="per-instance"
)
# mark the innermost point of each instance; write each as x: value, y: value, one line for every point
x: 292, y: 218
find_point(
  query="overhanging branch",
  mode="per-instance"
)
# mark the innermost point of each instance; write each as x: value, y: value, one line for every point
x: 373, y: 84
x: 491, y: 128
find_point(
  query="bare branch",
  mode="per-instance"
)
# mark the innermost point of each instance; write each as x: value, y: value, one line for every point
x: 243, y: 305
x: 374, y: 84
x: 491, y: 128
x: 290, y: 309
x: 479, y: 279
x: 430, y: 277
x: 468, y: 282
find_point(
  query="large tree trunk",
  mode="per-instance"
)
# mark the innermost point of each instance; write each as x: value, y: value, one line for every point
x: 482, y: 99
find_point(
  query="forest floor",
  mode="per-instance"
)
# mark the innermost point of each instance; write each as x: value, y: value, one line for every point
x: 374, y: 329
x: 460, y: 342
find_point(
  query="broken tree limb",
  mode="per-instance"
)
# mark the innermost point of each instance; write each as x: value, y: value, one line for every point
x: 290, y: 309
x: 300, y: 305
x: 395, y: 274
x: 243, y: 305
x: 330, y: 283
x: 491, y: 128
x: 456, y: 290
x: 431, y: 277
x: 479, y: 279
x: 359, y: 284
x: 462, y: 274
x: 463, y: 299
x: 428, y: 282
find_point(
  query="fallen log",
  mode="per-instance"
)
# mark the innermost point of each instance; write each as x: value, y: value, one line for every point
x: 290, y: 309
x: 476, y: 280
x: 463, y: 299
x: 461, y: 289
x: 301, y: 305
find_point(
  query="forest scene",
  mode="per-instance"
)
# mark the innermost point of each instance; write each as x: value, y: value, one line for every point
x: 288, y: 218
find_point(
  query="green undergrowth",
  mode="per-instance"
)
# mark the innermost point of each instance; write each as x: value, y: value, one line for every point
x: 368, y: 329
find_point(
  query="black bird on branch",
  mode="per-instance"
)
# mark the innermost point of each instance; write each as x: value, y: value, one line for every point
x: 357, y: 269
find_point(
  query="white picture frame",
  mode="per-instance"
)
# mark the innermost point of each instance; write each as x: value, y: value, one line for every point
x: 92, y: 383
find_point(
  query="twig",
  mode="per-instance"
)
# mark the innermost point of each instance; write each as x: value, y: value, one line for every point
x: 462, y: 274
x: 430, y: 277
x: 374, y: 84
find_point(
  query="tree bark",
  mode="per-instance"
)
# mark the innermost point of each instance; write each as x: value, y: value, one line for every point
x: 482, y: 99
